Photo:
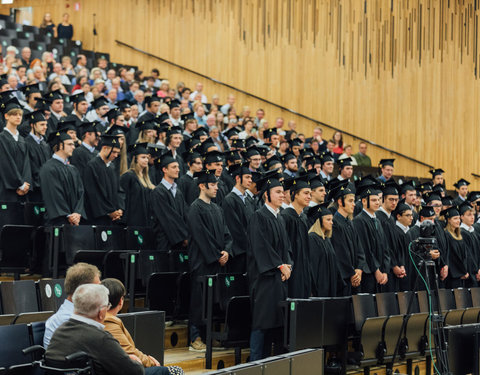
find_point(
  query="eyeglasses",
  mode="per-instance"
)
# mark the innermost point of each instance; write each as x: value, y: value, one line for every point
x: 408, y: 215
x: 107, y: 306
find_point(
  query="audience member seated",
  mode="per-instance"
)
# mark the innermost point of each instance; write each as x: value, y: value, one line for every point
x: 84, y: 332
x: 78, y: 274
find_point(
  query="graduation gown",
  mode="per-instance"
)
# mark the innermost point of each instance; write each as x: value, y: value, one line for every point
x: 137, y: 201
x: 473, y: 248
x: 457, y: 261
x: 237, y: 215
x: 81, y: 156
x: 14, y: 166
x: 401, y: 257
x: 348, y: 249
x: 62, y: 190
x: 269, y: 247
x: 374, y: 243
x: 299, y: 284
x: 209, y: 236
x: 38, y: 154
x: 221, y: 192
x: 102, y: 191
x: 169, y: 218
x: 52, y: 125
x: 326, y: 278
x: 189, y: 188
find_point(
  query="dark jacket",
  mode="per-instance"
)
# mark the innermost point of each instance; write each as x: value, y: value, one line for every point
x: 107, y: 354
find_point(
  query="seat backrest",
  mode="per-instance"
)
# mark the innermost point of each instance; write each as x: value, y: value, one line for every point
x: 51, y: 294
x: 30, y: 317
x: 128, y: 320
x: 424, y: 302
x: 387, y: 304
x: 446, y: 299
x: 363, y: 308
x: 17, y: 243
x: 14, y: 339
x: 150, y: 333
x: 76, y: 238
x: 34, y: 212
x: 162, y: 292
x: 179, y: 261
x: 109, y: 238
x: 139, y: 238
x: 11, y: 213
x: 463, y: 299
x: 475, y: 294
x: 404, y: 302
x: 37, y: 330
x: 238, y: 319
x: 149, y: 262
x: 6, y: 319
x: 230, y: 285
x: 18, y: 296
x: 306, y: 362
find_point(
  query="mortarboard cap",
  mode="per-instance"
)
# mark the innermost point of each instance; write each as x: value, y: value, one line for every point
x: 212, y: 157
x: 345, y: 162
x: 174, y: 130
x: 117, y: 130
x: 238, y: 144
x: 55, y: 95
x: 297, y: 183
x: 162, y: 117
x: 87, y: 127
x: 78, y: 98
x: 267, y: 133
x: 166, y: 158
x: 268, y: 181
x: 232, y: 156
x: 450, y: 212
x: 199, y: 133
x: 43, y: 104
x: 30, y: 89
x: 151, y: 98
x: 318, y: 211
x: 231, y: 132
x: 187, y: 116
x: 190, y: 156
x: 287, y: 157
x: 250, y: 141
x: 113, y: 113
x: 427, y: 211
x: 447, y: 201
x: 239, y: 170
x: 147, y: 124
x: 401, y: 208
x: 11, y: 103
x: 326, y: 157
x: 384, y: 162
x: 110, y: 140
x: 473, y: 196
x: 251, y: 151
x: 138, y: 149
x: 436, y: 172
x: 460, y: 183
x: 125, y: 103
x: 99, y: 102
x: 36, y: 116
x: 464, y: 207
x: 57, y: 137
x: 205, y: 176
x: 175, y: 104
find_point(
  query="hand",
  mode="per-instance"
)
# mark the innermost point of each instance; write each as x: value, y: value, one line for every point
x: 398, y: 272
x: 285, y: 269
x: 477, y: 276
x: 26, y: 188
x: 20, y: 192
x: 435, y: 254
x: 444, y: 273
x: 378, y: 276
x: 154, y: 360
x: 74, y: 219
x: 224, y: 258
x: 185, y: 243
x: 384, y: 279
x: 466, y: 276
x: 133, y: 357
x: 404, y: 271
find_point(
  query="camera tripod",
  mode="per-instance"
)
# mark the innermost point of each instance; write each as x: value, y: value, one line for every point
x: 426, y: 270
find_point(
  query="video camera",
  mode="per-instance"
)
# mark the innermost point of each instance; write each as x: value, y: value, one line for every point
x: 426, y: 242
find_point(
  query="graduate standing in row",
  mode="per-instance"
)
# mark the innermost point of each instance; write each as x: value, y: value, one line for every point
x: 62, y: 186
x: 210, y: 247
x: 269, y: 268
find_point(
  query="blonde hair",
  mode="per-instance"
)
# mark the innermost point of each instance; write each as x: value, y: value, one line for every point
x: 142, y: 174
x: 456, y: 233
x: 123, y: 156
x: 317, y: 229
x: 142, y: 137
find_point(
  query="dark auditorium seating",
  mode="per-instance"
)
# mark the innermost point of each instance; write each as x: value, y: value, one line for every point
x: 51, y: 294
x: 18, y: 296
x: 18, y: 338
x: 16, y: 248
x: 30, y: 317
x: 169, y: 292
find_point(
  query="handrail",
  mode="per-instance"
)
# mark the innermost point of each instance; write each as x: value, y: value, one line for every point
x: 274, y: 104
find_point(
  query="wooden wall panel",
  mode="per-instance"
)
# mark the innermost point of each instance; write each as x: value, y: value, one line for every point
x: 401, y: 73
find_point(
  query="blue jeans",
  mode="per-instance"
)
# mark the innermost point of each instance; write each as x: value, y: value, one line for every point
x: 157, y: 370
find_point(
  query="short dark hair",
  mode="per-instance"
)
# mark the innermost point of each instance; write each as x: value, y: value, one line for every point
x: 79, y: 274
x: 116, y: 290
x: 156, y: 71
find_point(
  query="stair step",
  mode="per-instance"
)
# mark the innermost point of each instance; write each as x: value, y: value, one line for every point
x: 176, y: 336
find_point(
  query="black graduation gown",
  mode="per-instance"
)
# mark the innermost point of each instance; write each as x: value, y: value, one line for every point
x: 228, y: 180
x: 137, y: 201
x: 401, y: 257
x: 388, y: 226
x: 62, y: 190
x: 52, y: 125
x: 457, y: 261
x: 348, y: 249
x: 81, y: 156
x: 14, y: 166
x: 38, y: 154
x: 377, y: 253
x: 102, y: 191
x: 169, y: 218
x: 181, y: 164
x: 209, y: 236
x: 472, y: 247
x: 269, y: 247
x: 237, y: 215
x: 299, y: 284
x: 326, y: 276
x: 189, y: 188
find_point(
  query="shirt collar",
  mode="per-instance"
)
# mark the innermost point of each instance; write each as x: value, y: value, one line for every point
x: 239, y: 193
x: 190, y: 173
x: 15, y: 136
x: 340, y: 178
x: 462, y: 198
x: 273, y: 211
x: 385, y: 211
x: 58, y: 116
x: 55, y: 156
x: 37, y: 139
x: 467, y: 228
x: 249, y: 193
x: 167, y: 184
x: 88, y: 147
x: 402, y: 227
x: 369, y: 214
x: 88, y: 321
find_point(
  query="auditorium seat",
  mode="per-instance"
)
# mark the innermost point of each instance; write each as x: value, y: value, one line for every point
x: 453, y: 316
x: 226, y: 304
x: 140, y: 238
x: 163, y: 290
x: 18, y: 338
x: 149, y: 333
x: 34, y: 213
x: 109, y: 238
x: 21, y: 43
x: 387, y: 305
x: 6, y: 319
x: 76, y: 238
x: 179, y: 261
x: 102, y: 55
x: 11, y: 213
x: 16, y: 248
x: 51, y: 294
x: 369, y: 328
x: 18, y: 296
x: 30, y: 317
